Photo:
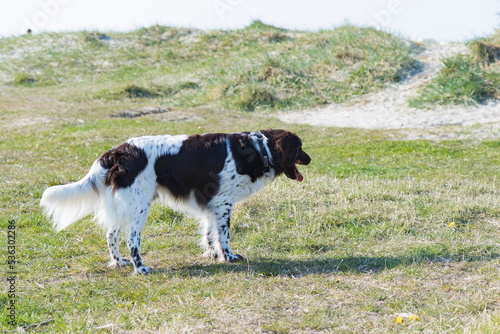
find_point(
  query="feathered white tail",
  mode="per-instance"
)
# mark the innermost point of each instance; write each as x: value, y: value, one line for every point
x: 69, y: 203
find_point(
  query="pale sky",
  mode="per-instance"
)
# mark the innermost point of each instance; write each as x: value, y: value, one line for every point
x: 441, y: 20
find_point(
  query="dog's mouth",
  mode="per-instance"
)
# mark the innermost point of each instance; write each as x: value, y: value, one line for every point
x: 298, y: 175
x: 294, y: 173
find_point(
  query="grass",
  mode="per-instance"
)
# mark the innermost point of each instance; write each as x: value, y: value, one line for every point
x: 258, y: 67
x: 465, y: 79
x: 486, y: 50
x: 364, y: 239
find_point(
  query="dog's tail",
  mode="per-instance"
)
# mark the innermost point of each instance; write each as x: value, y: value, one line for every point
x: 69, y: 203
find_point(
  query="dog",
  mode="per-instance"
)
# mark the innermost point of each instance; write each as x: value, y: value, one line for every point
x: 204, y: 175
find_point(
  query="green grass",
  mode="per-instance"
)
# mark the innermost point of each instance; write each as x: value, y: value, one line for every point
x: 461, y: 81
x: 465, y: 79
x: 366, y: 237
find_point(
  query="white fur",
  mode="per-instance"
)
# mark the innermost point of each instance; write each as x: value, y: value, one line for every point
x: 156, y: 146
x: 71, y: 202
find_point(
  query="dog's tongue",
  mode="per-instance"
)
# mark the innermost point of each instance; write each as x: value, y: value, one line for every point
x: 298, y: 175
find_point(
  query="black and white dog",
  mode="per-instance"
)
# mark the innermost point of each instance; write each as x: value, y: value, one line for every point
x: 205, y: 175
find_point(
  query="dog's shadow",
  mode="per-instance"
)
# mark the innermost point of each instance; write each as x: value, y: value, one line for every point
x: 298, y: 268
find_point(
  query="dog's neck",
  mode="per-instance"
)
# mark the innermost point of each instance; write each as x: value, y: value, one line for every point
x: 260, y: 144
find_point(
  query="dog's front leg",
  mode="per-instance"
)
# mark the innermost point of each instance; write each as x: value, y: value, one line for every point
x: 220, y: 223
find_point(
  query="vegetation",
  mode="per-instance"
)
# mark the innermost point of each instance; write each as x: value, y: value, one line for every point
x: 382, y: 235
x: 466, y: 79
x: 486, y: 50
x: 259, y: 67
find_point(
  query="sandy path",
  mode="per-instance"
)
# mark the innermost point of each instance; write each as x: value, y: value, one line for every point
x: 388, y: 109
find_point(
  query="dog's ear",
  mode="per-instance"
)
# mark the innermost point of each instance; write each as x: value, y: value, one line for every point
x: 282, y: 140
x: 284, y: 147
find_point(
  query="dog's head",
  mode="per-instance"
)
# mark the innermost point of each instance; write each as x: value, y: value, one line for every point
x: 288, y: 153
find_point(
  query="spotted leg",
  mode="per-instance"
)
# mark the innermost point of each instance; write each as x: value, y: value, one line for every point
x: 134, y: 240
x: 220, y: 223
x: 113, y: 237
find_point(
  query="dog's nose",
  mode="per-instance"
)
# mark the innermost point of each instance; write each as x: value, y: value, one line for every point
x: 304, y: 159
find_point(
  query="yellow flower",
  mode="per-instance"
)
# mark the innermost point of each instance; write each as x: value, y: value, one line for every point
x: 399, y: 320
x: 415, y: 317
x: 452, y: 224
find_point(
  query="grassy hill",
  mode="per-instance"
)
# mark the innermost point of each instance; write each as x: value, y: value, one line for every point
x: 256, y: 67
x: 383, y: 235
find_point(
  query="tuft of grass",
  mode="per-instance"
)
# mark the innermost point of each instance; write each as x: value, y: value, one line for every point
x: 465, y: 79
x: 252, y: 96
x: 96, y: 40
x: 130, y: 91
x: 461, y: 81
x: 133, y: 91
x: 25, y: 80
x: 22, y: 79
x: 486, y: 50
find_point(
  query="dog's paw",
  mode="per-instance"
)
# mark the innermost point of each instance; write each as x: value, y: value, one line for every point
x: 142, y: 270
x: 120, y: 263
x: 231, y: 258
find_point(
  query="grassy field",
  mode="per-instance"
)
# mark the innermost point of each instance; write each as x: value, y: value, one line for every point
x: 382, y: 235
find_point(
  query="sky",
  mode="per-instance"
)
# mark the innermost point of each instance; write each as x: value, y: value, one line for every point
x: 439, y: 20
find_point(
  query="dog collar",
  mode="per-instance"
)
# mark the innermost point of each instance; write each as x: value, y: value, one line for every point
x: 262, y: 150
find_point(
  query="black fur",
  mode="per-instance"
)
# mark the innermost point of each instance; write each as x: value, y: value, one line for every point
x: 124, y: 162
x: 194, y: 168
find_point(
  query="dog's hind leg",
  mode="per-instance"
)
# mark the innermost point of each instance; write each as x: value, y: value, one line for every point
x: 209, y: 233
x: 134, y: 240
x: 113, y: 237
